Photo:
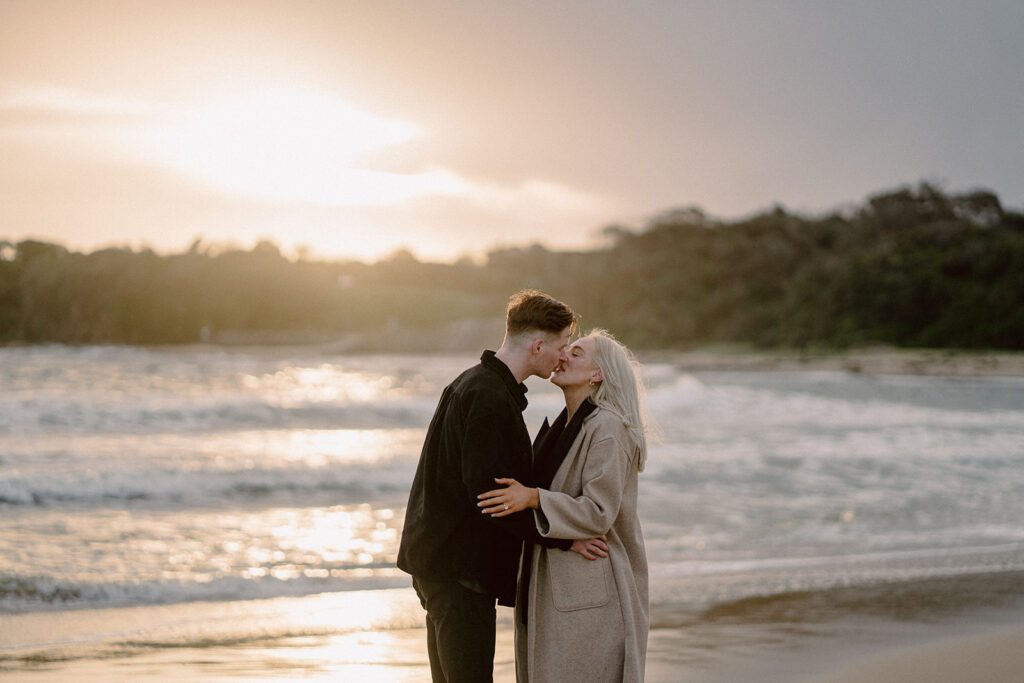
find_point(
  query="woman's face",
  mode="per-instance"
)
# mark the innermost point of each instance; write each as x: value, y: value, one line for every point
x: 579, y: 367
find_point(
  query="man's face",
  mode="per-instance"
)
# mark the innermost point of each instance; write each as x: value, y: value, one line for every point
x: 551, y: 353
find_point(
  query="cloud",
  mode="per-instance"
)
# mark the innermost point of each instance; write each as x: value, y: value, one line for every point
x: 530, y: 196
x: 44, y: 106
x: 279, y: 145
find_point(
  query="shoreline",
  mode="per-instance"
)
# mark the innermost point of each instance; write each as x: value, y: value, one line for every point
x: 868, y: 360
x: 981, y: 645
x: 875, y: 360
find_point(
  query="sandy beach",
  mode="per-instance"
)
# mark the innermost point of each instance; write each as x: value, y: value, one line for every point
x: 996, y: 657
x: 205, y: 515
x: 195, y: 643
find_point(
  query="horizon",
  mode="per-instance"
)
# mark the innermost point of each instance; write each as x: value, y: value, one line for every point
x: 355, y: 131
x: 599, y: 239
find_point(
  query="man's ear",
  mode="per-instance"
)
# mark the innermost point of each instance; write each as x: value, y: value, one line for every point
x: 536, y: 346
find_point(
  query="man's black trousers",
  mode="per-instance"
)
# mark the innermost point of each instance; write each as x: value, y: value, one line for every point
x: 460, y: 631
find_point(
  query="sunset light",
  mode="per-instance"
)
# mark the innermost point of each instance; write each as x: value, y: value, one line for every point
x: 354, y: 130
x: 284, y: 287
x: 288, y: 145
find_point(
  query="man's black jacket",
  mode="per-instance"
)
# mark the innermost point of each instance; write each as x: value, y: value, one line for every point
x: 477, y: 433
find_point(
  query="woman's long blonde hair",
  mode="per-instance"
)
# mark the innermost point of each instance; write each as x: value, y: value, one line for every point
x: 622, y: 390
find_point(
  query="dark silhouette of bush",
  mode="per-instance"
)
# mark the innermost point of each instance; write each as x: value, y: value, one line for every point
x: 911, y: 267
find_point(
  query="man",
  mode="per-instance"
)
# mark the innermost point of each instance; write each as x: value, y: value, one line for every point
x: 461, y: 560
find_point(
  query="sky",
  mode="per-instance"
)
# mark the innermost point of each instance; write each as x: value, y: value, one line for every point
x: 449, y: 128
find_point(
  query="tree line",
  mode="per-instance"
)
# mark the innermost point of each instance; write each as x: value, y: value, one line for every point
x: 912, y: 267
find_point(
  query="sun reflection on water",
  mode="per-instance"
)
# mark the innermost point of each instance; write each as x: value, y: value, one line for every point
x: 372, y: 636
x: 324, y: 383
x: 316, y: 448
x: 318, y: 548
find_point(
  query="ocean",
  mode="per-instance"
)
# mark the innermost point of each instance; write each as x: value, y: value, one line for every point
x: 193, y: 480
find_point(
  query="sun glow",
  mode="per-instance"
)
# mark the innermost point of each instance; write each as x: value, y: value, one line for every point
x: 284, y: 158
x: 289, y: 145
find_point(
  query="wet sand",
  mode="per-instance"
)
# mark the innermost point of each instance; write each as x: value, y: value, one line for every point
x: 996, y: 657
x: 221, y: 642
x: 400, y: 657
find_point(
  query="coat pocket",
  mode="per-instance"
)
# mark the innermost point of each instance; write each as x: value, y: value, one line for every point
x: 576, y: 582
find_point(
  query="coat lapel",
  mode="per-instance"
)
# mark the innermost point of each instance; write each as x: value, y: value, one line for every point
x: 553, y: 444
x: 558, y: 481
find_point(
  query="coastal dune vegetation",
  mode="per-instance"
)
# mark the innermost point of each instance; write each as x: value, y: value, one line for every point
x: 910, y: 267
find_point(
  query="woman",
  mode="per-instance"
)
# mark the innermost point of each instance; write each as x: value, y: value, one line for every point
x: 580, y: 619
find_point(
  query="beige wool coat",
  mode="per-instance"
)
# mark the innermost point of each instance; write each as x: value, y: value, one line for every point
x: 588, y: 619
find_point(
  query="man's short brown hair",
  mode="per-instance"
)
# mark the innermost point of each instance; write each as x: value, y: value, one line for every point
x: 533, y: 310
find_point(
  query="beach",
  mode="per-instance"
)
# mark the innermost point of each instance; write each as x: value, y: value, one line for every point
x: 143, y: 644
x: 996, y: 657
x: 213, y: 514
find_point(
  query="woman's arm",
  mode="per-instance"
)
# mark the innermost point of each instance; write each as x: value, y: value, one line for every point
x: 560, y: 515
x: 513, y: 498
